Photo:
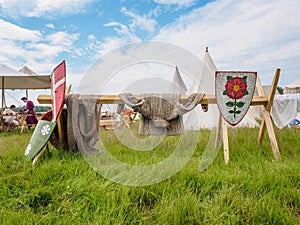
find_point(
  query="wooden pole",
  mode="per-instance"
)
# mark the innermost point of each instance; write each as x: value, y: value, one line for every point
x: 219, y: 130
x: 59, y: 120
x: 225, y: 141
x: 3, y: 104
x: 3, y: 94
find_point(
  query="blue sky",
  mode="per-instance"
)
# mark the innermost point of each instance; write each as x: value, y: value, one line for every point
x: 256, y: 35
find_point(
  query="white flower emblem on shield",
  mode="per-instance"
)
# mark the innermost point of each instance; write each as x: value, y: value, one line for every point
x: 45, y: 130
x: 28, y: 149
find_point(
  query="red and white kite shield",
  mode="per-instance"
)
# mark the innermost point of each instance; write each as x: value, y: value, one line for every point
x: 234, y: 93
x: 58, y: 88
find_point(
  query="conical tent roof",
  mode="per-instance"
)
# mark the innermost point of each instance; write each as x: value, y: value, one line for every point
x: 177, y: 85
x: 8, y: 71
x: 26, y: 70
x: 204, y: 84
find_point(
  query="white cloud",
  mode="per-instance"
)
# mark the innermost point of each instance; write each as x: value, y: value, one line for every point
x: 123, y: 37
x: 50, y: 25
x: 62, y: 38
x: 143, y: 22
x: 20, y: 46
x: 123, y: 33
x: 91, y: 37
x: 248, y: 35
x: 180, y: 3
x: 41, y: 8
x: 9, y: 31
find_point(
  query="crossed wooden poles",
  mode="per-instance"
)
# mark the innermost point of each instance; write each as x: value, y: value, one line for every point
x: 264, y: 101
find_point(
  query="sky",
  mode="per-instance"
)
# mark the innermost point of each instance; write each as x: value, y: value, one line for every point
x: 256, y: 35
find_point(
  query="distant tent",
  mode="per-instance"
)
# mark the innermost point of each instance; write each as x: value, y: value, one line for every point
x: 256, y: 111
x: 177, y: 85
x: 26, y: 70
x: 293, y: 88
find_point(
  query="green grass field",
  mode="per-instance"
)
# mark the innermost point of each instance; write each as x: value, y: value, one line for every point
x: 62, y: 188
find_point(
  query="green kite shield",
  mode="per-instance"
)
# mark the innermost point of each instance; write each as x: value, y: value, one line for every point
x: 234, y: 93
x: 39, y: 138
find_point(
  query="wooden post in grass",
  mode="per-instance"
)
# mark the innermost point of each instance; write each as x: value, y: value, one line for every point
x: 225, y: 141
x: 222, y: 135
x: 59, y: 120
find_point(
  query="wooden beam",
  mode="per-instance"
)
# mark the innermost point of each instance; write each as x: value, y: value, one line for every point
x: 115, y: 99
x: 262, y: 128
x: 271, y: 133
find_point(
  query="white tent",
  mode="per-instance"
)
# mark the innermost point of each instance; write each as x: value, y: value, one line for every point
x: 12, y: 79
x: 206, y: 84
x: 177, y: 85
x: 27, y: 70
x: 293, y: 88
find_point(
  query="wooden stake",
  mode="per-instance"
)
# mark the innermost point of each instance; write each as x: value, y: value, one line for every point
x: 219, y: 130
x: 59, y: 119
x: 225, y: 141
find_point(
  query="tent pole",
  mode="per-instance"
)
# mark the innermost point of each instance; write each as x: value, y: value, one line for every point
x: 2, y: 110
x: 3, y: 100
x: 27, y: 93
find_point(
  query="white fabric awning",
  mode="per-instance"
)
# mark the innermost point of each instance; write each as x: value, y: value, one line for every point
x: 12, y: 79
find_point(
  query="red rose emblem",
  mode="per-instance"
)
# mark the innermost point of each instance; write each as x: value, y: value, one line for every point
x: 236, y: 88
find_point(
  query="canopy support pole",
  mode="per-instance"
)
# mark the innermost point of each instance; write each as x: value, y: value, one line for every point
x: 3, y: 94
x: 3, y: 104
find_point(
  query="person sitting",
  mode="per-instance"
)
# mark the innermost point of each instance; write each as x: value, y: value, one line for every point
x: 10, y: 117
x: 31, y: 118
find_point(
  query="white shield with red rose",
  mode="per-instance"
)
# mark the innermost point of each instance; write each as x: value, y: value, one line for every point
x: 234, y: 93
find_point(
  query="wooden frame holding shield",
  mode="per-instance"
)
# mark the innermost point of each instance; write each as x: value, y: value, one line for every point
x: 264, y: 101
x: 266, y: 104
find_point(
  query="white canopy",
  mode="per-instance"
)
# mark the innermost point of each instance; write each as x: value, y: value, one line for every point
x: 12, y: 79
x: 293, y: 88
